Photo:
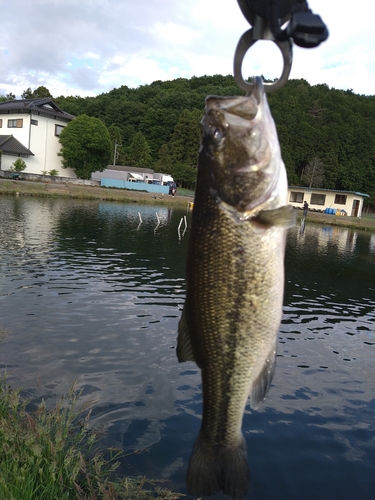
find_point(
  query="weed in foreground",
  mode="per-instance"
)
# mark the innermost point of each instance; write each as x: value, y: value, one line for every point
x: 47, y: 455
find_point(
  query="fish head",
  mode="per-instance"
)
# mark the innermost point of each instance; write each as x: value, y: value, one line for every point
x: 240, y: 151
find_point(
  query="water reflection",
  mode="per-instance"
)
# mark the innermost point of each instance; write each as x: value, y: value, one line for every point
x: 90, y: 294
x: 337, y: 239
x: 372, y: 243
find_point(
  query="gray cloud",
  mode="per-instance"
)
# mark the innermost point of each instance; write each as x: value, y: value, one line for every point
x: 86, y: 47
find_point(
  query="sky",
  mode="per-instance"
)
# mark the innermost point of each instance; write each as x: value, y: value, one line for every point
x: 87, y: 47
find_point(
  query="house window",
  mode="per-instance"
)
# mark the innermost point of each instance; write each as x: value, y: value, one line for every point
x: 15, y: 123
x: 58, y: 130
x: 1, y: 122
x: 340, y: 199
x: 296, y: 197
x: 34, y: 122
x: 318, y: 199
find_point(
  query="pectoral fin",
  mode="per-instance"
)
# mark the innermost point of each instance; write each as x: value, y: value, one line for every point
x: 263, y: 381
x: 282, y: 216
x: 184, y: 346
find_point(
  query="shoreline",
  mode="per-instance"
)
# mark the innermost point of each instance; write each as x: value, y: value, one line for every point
x: 74, y: 191
x: 365, y: 223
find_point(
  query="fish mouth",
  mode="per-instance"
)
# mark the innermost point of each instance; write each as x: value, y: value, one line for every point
x: 240, y: 107
x: 241, y: 139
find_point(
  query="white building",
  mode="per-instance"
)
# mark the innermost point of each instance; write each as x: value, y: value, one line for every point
x: 324, y: 200
x: 30, y: 128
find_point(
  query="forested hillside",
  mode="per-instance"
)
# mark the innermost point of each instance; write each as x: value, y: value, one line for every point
x: 327, y: 136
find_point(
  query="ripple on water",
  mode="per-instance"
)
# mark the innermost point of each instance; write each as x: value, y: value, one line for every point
x: 90, y: 295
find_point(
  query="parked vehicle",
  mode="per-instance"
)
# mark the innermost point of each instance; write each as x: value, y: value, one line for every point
x: 165, y: 179
x: 14, y: 175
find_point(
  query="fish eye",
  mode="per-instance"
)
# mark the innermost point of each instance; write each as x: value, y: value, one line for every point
x: 216, y: 135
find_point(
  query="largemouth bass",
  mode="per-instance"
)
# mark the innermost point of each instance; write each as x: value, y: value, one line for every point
x: 235, y: 281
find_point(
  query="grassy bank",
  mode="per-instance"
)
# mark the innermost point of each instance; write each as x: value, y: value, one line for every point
x: 367, y: 222
x: 50, y: 454
x: 54, y: 189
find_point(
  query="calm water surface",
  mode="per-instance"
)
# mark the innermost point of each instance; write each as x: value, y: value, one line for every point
x: 89, y: 293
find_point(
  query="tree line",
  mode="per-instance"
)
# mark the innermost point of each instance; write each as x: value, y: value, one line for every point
x: 327, y: 136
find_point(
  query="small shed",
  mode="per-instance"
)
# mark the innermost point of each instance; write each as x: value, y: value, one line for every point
x: 327, y: 200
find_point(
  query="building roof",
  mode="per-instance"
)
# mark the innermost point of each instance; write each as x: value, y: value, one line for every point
x: 11, y: 146
x: 124, y: 168
x: 43, y: 106
x: 136, y: 176
x: 305, y: 188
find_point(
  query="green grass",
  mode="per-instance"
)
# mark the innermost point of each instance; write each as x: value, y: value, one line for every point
x: 185, y: 192
x: 76, y: 191
x: 366, y: 223
x: 51, y: 455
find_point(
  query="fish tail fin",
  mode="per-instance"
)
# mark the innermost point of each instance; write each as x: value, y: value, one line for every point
x: 218, y: 468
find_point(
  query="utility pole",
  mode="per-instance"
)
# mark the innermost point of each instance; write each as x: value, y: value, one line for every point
x: 115, y: 153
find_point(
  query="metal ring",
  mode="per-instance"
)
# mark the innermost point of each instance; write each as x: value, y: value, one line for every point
x: 245, y: 42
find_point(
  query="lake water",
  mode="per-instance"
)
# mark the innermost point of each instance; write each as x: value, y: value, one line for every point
x: 89, y: 293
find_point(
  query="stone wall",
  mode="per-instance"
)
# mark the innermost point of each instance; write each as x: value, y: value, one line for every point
x: 52, y: 178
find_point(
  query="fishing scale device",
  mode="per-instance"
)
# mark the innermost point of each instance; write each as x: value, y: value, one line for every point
x: 268, y: 18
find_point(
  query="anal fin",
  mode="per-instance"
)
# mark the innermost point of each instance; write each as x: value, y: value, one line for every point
x: 263, y: 381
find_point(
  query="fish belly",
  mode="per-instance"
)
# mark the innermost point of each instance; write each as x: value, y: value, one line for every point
x: 231, y: 316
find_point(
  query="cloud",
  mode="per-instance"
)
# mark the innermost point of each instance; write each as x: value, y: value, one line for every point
x: 175, y: 34
x: 86, y: 47
x: 134, y: 70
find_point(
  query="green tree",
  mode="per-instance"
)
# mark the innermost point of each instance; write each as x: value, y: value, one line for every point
x: 18, y: 166
x: 184, y: 175
x: 184, y: 146
x: 312, y: 121
x: 85, y: 146
x: 184, y: 143
x: 115, y: 134
x: 331, y: 168
x: 164, y: 163
x: 138, y: 153
x: 116, y: 142
x: 37, y: 93
x: 157, y: 126
x: 7, y: 97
